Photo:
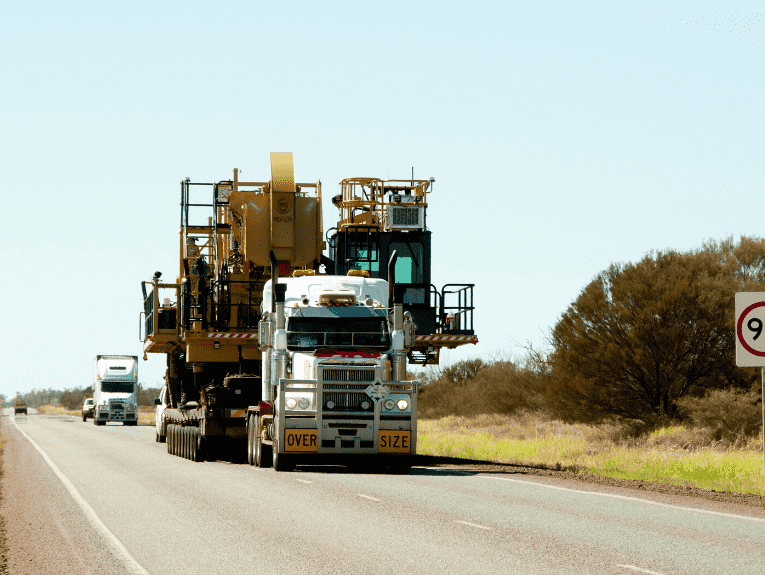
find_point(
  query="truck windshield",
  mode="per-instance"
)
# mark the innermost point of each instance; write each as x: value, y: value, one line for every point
x: 116, y: 387
x: 304, y: 333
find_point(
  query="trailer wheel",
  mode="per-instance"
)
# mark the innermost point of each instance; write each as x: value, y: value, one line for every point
x: 199, y: 445
x: 171, y: 439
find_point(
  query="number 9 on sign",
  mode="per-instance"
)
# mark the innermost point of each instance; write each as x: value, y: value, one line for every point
x: 750, y: 320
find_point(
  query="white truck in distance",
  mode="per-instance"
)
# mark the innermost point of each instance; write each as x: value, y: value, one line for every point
x: 114, y: 389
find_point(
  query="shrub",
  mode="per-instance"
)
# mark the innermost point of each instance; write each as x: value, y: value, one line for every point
x: 729, y: 414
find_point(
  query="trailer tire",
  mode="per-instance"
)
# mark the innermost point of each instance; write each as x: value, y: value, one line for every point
x: 199, y: 445
x: 171, y: 439
x: 185, y: 442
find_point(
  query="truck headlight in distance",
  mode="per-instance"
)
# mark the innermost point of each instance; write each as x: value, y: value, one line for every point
x: 389, y: 405
x: 402, y: 404
x: 291, y: 403
x: 304, y: 403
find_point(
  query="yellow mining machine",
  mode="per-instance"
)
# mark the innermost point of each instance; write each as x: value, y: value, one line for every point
x: 207, y: 320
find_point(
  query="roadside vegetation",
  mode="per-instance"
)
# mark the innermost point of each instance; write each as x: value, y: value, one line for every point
x: 638, y: 381
x: 145, y: 413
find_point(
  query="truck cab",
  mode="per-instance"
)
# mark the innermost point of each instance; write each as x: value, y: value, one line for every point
x: 114, y: 395
x: 334, y: 372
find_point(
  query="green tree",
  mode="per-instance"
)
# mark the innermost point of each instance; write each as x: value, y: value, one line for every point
x: 640, y: 336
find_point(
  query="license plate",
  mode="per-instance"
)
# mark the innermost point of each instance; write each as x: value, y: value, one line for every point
x: 300, y: 439
x: 394, y: 441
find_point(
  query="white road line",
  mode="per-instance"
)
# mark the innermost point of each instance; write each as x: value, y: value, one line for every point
x: 369, y: 497
x: 640, y: 570
x: 628, y: 498
x: 473, y: 524
x: 118, y: 548
x: 304, y: 481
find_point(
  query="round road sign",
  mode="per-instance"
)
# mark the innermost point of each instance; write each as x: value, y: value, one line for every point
x: 750, y: 329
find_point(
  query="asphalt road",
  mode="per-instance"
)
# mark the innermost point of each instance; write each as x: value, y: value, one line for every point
x: 148, y: 512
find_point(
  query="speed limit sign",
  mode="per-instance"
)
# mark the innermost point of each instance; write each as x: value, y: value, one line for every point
x: 750, y: 329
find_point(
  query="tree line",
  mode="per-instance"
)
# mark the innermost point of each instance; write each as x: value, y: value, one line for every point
x: 647, y: 342
x: 74, y: 398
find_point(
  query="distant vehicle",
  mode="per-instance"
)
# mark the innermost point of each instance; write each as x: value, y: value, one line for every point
x: 87, y: 408
x: 114, y: 389
x: 20, y: 407
x: 159, y: 417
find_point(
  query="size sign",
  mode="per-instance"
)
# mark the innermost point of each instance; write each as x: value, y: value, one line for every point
x: 750, y: 329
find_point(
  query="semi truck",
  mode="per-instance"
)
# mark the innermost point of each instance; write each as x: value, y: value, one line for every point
x: 114, y: 389
x: 268, y: 354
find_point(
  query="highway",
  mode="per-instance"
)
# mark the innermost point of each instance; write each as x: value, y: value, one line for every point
x: 128, y: 507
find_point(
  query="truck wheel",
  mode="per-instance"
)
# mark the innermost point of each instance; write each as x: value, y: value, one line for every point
x: 251, y: 439
x: 84, y: 417
x: 263, y: 453
x: 282, y: 461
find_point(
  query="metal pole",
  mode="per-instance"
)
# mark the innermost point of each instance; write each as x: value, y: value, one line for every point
x: 762, y: 371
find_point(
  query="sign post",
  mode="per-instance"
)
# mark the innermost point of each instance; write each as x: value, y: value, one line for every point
x: 750, y: 340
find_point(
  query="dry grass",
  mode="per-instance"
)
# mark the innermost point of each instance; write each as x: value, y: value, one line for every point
x: 145, y: 413
x: 674, y: 455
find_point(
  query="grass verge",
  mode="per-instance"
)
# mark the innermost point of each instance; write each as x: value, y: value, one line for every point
x: 145, y: 413
x: 669, y: 456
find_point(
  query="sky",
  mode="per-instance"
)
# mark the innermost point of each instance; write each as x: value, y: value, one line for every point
x: 562, y: 138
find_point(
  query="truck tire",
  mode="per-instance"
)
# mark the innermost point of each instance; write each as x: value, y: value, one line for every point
x: 84, y: 417
x: 263, y: 453
x: 252, y: 423
x: 282, y: 461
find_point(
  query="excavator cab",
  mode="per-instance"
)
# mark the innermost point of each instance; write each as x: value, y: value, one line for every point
x: 380, y: 217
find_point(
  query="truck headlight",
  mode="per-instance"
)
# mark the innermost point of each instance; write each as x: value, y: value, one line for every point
x: 389, y: 405
x: 291, y: 403
x: 304, y: 403
x: 402, y: 404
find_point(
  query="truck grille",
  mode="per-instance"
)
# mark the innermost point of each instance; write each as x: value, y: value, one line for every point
x: 345, y: 386
x: 349, y: 375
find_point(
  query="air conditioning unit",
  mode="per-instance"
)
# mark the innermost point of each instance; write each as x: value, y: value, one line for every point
x: 405, y: 217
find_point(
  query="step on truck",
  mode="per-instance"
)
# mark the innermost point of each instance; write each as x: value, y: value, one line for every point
x: 114, y: 389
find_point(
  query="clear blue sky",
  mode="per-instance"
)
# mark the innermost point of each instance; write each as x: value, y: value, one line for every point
x: 562, y: 137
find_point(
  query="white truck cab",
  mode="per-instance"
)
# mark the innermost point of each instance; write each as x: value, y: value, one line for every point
x: 114, y: 389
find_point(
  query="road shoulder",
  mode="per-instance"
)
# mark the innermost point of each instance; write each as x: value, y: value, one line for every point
x: 45, y: 531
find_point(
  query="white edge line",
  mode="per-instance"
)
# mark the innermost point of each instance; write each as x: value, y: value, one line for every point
x: 118, y: 548
x: 304, y: 481
x: 473, y: 524
x: 369, y: 497
x: 628, y: 498
x: 640, y: 569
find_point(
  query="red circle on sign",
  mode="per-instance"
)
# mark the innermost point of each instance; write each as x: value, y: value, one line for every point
x: 740, y: 333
